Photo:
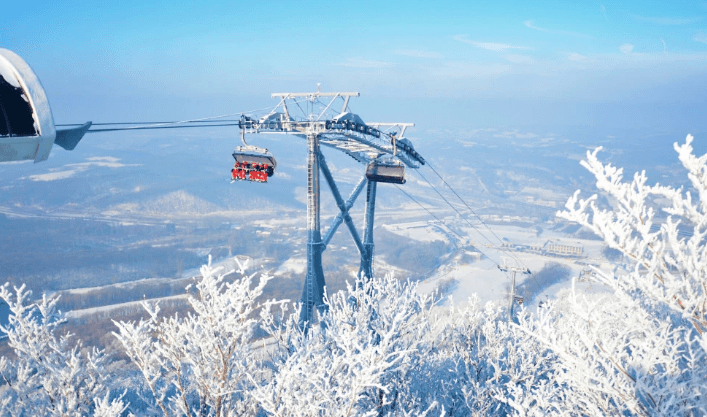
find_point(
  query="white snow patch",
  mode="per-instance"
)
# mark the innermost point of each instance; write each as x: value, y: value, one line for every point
x: 292, y: 265
x: 421, y: 231
x: 126, y: 285
x: 53, y: 176
x: 63, y: 173
x: 105, y: 309
x: 482, y: 278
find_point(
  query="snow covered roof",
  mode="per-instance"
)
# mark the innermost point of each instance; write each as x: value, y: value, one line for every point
x: 348, y: 116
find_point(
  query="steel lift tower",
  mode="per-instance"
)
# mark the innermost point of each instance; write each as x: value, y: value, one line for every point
x: 380, y: 146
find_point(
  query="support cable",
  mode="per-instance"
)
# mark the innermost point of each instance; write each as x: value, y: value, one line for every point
x: 472, y: 211
x: 442, y: 222
x: 480, y: 219
x: 153, y: 125
x: 300, y: 108
x: 116, y: 129
x: 463, y: 202
x: 140, y: 123
x: 459, y: 213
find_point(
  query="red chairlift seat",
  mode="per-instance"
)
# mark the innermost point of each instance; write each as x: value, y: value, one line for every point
x: 386, y: 171
x: 253, y: 164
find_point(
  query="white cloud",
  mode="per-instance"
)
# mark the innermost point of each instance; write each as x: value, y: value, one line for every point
x: 529, y: 24
x: 106, y: 164
x: 461, y: 69
x: 491, y: 46
x: 669, y: 20
x: 626, y: 48
x: 364, y: 63
x: 103, y: 158
x: 519, y: 59
x: 573, y: 56
x: 700, y: 37
x: 414, y: 53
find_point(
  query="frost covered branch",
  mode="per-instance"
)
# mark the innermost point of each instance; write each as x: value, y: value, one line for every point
x: 51, y: 376
x: 640, y: 350
x: 199, y: 363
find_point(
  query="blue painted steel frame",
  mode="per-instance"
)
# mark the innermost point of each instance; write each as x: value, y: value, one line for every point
x: 366, y: 270
x: 313, y: 291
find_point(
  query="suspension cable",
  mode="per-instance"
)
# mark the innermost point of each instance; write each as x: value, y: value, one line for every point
x: 153, y: 125
x: 115, y: 129
x: 477, y: 216
x: 473, y: 212
x: 457, y: 211
x: 140, y: 123
x: 463, y: 202
x: 445, y: 224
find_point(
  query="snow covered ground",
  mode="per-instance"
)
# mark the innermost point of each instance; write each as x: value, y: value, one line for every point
x: 462, y: 279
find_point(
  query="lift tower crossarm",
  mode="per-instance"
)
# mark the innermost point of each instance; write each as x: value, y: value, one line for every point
x: 402, y: 126
x: 345, y: 131
x: 316, y: 94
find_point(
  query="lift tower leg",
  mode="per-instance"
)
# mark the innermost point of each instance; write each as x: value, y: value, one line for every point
x: 367, y: 253
x: 513, y: 270
x: 313, y: 291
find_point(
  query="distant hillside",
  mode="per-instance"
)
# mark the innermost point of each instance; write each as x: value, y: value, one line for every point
x: 180, y: 203
x: 175, y: 204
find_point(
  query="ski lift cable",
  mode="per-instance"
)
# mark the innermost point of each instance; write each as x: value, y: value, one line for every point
x: 300, y: 107
x: 210, y: 119
x: 328, y: 108
x: 463, y: 202
x: 172, y: 124
x: 442, y: 222
x: 484, y: 223
x: 141, y: 123
x: 182, y: 126
x: 189, y: 120
x: 474, y: 213
x: 537, y: 284
x: 459, y: 213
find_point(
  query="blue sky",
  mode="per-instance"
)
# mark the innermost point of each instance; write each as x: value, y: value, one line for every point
x: 467, y: 64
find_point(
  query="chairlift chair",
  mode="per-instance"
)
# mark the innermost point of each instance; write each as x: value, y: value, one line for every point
x: 253, y: 164
x: 386, y: 171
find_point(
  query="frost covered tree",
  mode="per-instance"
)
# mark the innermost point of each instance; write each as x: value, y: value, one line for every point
x: 360, y: 359
x: 640, y: 350
x: 480, y: 365
x: 199, y: 364
x: 51, y: 376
